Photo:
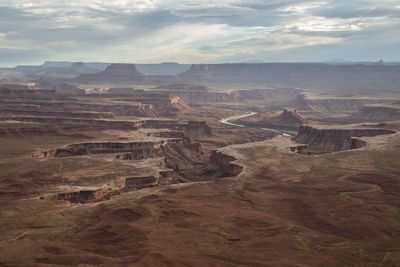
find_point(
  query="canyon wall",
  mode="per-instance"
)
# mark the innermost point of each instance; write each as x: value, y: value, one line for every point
x: 163, y: 177
x: 331, y: 140
x: 224, y: 163
x: 141, y: 148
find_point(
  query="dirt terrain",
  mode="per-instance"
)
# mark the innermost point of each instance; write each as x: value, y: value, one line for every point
x: 150, y: 174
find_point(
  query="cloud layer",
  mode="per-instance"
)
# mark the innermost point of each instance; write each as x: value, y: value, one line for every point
x: 198, y: 32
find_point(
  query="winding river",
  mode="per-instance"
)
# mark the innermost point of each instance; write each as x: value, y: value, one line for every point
x: 251, y: 113
x: 229, y: 120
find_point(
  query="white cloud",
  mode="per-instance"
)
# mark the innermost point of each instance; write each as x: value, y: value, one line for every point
x: 321, y: 24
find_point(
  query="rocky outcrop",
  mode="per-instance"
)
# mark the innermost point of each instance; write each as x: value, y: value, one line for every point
x: 288, y: 119
x: 224, y: 163
x: 163, y: 177
x: 93, y: 194
x: 331, y: 140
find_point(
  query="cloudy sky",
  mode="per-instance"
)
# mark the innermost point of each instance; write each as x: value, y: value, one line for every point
x: 152, y: 31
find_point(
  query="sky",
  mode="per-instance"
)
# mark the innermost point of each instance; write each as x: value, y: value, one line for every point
x: 154, y: 31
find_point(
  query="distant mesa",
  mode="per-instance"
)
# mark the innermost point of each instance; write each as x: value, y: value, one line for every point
x: 115, y: 73
x: 121, y: 70
x: 379, y: 63
x: 81, y: 68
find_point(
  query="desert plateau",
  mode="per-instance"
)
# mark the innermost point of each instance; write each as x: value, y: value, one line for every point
x: 254, y: 150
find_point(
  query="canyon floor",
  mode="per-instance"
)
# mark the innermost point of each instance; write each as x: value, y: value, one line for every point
x: 145, y: 178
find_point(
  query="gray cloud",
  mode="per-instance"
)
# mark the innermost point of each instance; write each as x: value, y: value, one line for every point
x: 350, y: 11
x: 138, y: 30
